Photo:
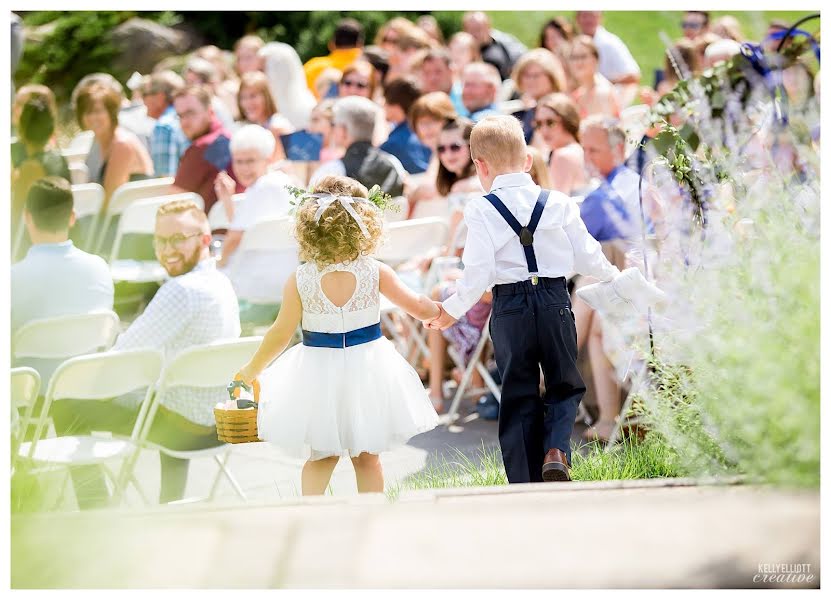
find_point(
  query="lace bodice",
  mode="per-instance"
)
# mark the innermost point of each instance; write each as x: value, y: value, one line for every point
x: 362, y: 309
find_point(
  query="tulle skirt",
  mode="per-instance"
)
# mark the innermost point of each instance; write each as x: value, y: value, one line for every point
x: 319, y: 402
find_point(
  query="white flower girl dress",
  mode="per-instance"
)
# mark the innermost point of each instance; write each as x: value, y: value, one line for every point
x: 345, y: 389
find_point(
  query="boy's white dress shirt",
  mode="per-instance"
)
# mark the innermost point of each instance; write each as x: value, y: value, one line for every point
x: 494, y: 255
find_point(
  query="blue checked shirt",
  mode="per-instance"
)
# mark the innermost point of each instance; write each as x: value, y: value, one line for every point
x: 193, y: 309
x: 167, y: 144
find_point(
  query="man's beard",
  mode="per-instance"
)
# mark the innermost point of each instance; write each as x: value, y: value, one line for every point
x: 186, y: 265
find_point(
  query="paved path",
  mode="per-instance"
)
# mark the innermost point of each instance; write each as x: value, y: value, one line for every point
x: 531, y: 536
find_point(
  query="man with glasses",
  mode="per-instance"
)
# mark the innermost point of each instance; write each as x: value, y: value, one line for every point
x: 209, y: 152
x: 480, y: 84
x: 167, y: 142
x: 196, y: 306
x: 344, y: 49
x: 695, y: 24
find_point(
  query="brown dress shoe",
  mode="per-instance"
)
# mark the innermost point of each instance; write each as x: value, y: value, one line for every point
x: 555, y: 466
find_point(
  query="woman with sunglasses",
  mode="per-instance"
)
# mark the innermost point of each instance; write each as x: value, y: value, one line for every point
x: 458, y: 181
x: 557, y: 122
x: 594, y: 94
x: 358, y: 79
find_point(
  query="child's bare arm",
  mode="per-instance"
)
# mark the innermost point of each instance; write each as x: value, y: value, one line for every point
x: 279, y: 334
x: 416, y: 305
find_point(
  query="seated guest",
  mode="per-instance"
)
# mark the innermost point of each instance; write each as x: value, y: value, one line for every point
x: 354, y: 125
x: 34, y: 154
x: 464, y: 49
x: 265, y: 197
x: 427, y: 117
x: 556, y: 35
x: 497, y: 47
x: 195, y: 306
x: 131, y: 117
x: 480, y: 84
x: 358, y: 79
x: 616, y: 63
x: 594, y: 93
x: 434, y: 71
x: 201, y: 72
x: 257, y: 106
x: 610, y: 211
x: 246, y: 54
x: 55, y: 278
x: 123, y: 157
x: 404, y: 50
x: 536, y: 74
x: 344, y: 49
x: 399, y: 96
x: 558, y: 123
x: 322, y: 123
x: 208, y: 153
x: 168, y: 142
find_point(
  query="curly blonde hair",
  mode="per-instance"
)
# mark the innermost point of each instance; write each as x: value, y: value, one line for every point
x: 337, y: 237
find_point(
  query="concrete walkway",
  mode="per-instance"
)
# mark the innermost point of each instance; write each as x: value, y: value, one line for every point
x: 580, y: 535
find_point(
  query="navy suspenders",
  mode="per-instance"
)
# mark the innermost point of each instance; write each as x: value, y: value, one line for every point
x: 526, y: 234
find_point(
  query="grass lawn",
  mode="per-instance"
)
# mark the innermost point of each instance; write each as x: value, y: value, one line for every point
x: 640, y: 29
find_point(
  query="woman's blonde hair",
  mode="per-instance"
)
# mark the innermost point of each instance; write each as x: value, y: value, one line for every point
x: 337, y: 237
x: 545, y: 60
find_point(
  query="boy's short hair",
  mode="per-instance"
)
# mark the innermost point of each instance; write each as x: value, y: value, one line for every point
x: 49, y: 201
x: 403, y: 92
x: 499, y: 141
x: 199, y: 92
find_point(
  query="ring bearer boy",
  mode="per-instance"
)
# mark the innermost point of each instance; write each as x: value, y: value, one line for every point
x: 524, y: 241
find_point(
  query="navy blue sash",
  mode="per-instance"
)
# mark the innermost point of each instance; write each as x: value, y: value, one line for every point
x: 355, y: 337
x: 526, y: 234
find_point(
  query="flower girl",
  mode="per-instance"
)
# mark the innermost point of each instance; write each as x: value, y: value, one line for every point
x: 345, y: 389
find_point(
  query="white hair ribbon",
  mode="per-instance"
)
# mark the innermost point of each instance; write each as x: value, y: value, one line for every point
x: 324, y: 201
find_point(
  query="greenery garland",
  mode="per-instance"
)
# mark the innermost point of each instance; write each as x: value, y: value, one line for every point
x: 380, y: 199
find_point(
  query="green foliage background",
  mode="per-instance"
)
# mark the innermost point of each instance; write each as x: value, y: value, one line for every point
x: 79, y: 44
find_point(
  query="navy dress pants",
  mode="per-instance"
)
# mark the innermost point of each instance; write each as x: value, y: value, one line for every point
x: 532, y: 326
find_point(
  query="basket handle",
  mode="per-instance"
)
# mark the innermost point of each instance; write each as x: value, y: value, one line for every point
x: 237, y: 384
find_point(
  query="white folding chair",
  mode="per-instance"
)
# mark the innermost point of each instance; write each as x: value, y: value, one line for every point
x: 122, y: 197
x: 87, y: 200
x: 104, y: 376
x: 25, y: 387
x: 210, y: 366
x: 270, y: 235
x: 434, y: 207
x: 78, y: 173
x: 66, y: 336
x: 412, y: 237
x: 78, y: 148
x: 475, y: 363
x: 217, y: 217
x: 399, y: 206
x: 139, y: 218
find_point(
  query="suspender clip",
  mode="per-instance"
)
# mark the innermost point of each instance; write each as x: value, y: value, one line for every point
x: 534, y: 280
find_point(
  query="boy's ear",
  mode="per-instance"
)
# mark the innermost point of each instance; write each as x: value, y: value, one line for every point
x: 529, y: 160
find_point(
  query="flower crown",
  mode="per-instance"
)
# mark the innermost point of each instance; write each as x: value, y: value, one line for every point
x: 381, y: 200
x: 326, y: 199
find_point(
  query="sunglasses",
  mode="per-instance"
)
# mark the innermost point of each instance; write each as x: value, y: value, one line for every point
x: 441, y: 149
x: 540, y: 123
x: 354, y: 83
x: 691, y: 25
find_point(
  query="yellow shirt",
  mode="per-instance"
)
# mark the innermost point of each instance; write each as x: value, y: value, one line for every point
x: 338, y: 59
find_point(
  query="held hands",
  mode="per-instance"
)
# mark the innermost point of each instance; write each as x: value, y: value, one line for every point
x: 440, y: 322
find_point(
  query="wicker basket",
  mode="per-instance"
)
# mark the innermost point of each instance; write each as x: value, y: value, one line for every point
x: 238, y: 426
